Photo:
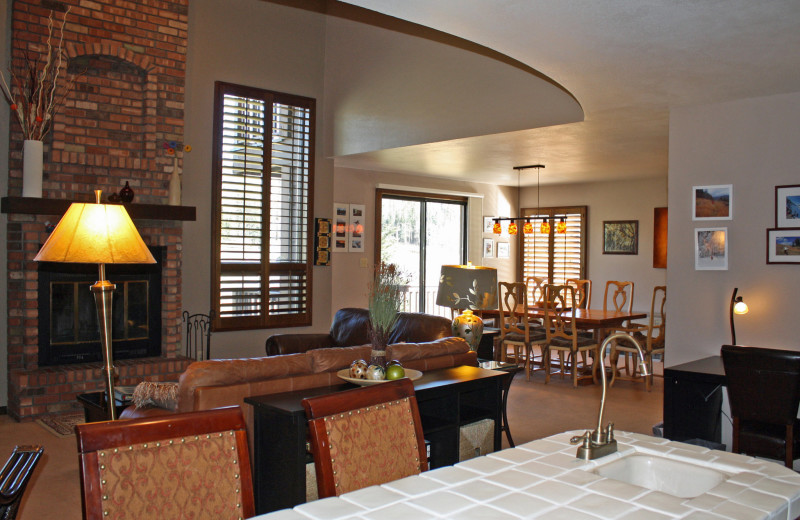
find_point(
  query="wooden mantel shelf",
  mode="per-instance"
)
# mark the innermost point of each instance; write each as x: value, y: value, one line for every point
x: 36, y: 206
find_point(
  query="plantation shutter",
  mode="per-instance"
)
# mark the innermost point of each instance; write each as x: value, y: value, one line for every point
x: 263, y: 170
x: 555, y: 256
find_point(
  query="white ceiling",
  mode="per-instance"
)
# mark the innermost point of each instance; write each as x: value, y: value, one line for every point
x: 626, y: 61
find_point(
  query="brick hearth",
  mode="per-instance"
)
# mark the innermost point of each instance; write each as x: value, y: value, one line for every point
x: 129, y: 60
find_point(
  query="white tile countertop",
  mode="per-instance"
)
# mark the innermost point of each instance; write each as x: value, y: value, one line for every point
x: 544, y: 480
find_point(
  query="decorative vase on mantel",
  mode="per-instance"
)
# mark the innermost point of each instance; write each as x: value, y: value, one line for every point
x: 32, y: 166
x: 175, y: 185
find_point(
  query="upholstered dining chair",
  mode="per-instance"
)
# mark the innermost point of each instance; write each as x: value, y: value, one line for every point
x: 14, y: 478
x: 517, y: 330
x: 764, y: 394
x: 189, y: 465
x: 535, y: 286
x: 562, y: 334
x: 583, y: 292
x: 650, y: 337
x: 365, y: 436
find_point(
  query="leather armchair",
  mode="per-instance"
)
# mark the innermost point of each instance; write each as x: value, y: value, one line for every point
x: 350, y: 327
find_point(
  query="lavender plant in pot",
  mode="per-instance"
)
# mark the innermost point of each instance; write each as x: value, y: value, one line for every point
x: 386, y: 293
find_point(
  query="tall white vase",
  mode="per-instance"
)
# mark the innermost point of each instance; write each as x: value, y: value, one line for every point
x: 32, y: 163
x: 175, y: 185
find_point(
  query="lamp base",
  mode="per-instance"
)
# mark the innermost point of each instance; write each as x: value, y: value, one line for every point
x: 470, y: 327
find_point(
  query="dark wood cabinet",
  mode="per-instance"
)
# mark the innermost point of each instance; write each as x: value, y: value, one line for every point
x: 693, y: 400
x: 448, y: 399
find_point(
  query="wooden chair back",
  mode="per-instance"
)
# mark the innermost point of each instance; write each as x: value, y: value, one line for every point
x: 618, y: 296
x: 583, y: 292
x: 365, y: 436
x: 513, y: 309
x: 559, y: 313
x: 189, y: 465
x: 535, y: 289
x: 14, y: 478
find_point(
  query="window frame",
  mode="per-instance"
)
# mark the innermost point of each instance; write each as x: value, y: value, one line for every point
x: 264, y: 268
x: 553, y: 214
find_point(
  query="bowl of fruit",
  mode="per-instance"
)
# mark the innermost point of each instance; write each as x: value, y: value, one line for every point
x: 363, y: 374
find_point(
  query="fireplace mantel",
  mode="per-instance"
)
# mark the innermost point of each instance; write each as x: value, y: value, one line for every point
x: 36, y: 206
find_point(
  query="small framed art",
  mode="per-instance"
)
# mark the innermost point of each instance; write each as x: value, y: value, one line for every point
x: 787, y: 206
x: 711, y: 249
x: 620, y: 237
x: 783, y: 246
x: 712, y: 202
x: 488, y: 248
x: 503, y: 249
x: 341, y: 224
x: 488, y: 224
x: 357, y: 228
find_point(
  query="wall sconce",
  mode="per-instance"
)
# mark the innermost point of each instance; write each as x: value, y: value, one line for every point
x: 738, y: 306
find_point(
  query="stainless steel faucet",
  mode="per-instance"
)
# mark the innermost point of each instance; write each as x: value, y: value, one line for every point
x: 601, y: 442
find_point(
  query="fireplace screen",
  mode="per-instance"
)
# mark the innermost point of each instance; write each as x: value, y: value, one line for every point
x: 68, y: 329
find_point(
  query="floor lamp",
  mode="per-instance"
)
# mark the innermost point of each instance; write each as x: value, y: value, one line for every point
x: 98, y: 234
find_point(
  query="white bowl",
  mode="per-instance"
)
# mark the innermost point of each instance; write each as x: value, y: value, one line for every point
x: 345, y: 374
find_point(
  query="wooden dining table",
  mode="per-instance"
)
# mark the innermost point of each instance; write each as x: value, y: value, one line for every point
x: 603, y: 322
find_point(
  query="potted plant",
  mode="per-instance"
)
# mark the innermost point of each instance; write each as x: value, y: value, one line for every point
x: 386, y: 294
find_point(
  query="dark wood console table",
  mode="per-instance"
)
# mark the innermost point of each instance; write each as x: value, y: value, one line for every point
x: 693, y: 400
x: 448, y: 399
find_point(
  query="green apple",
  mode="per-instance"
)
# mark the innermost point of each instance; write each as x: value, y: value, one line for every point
x: 395, y: 372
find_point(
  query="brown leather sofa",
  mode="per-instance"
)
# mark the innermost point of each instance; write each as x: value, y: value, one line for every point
x: 225, y: 382
x: 350, y: 327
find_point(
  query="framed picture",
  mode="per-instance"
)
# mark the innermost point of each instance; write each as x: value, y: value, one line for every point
x: 783, y: 246
x: 787, y: 206
x: 488, y: 224
x: 620, y: 237
x: 357, y: 219
x: 711, y: 249
x: 712, y: 202
x: 488, y: 248
x: 341, y: 223
x: 503, y: 250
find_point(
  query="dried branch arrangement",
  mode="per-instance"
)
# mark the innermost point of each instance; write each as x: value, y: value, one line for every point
x: 34, y: 95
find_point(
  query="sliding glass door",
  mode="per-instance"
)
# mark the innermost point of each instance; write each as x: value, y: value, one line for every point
x: 419, y: 234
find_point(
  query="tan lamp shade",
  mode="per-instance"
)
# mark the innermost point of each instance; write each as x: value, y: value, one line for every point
x: 95, y: 234
x: 467, y: 287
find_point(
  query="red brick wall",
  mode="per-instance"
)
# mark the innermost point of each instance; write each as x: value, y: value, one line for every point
x: 129, y: 60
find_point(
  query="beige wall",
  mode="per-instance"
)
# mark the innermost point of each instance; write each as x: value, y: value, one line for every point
x: 613, y: 201
x: 263, y: 45
x: 752, y: 144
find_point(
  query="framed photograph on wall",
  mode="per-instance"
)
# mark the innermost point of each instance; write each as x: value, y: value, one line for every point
x: 341, y: 224
x: 620, y: 237
x: 787, y: 206
x: 488, y: 224
x: 488, y: 248
x: 503, y: 250
x: 783, y: 246
x: 712, y: 202
x: 357, y: 228
x: 711, y: 249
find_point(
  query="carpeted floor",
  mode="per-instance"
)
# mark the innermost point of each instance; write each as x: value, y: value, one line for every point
x: 62, y: 425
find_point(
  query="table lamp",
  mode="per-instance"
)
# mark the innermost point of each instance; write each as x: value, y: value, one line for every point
x: 738, y: 306
x: 468, y: 288
x: 98, y: 234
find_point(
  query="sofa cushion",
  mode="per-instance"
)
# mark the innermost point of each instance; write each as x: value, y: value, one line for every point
x: 441, y: 347
x: 418, y: 327
x: 337, y: 358
x: 350, y: 327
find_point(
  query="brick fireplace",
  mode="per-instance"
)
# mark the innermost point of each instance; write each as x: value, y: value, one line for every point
x: 129, y: 61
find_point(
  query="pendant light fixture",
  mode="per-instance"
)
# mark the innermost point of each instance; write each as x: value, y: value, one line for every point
x: 527, y: 227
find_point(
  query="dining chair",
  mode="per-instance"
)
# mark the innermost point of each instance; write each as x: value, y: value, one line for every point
x: 188, y: 465
x: 618, y: 296
x: 764, y: 394
x: 517, y: 329
x: 650, y: 338
x: 535, y: 287
x: 365, y: 436
x: 583, y: 292
x: 562, y: 333
x: 14, y: 478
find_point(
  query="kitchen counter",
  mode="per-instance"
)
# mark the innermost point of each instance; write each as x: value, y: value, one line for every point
x: 544, y: 480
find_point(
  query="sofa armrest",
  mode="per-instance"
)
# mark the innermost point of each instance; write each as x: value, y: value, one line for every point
x: 279, y: 344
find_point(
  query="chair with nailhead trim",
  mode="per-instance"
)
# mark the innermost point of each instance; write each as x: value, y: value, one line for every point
x: 189, y: 465
x: 365, y: 436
